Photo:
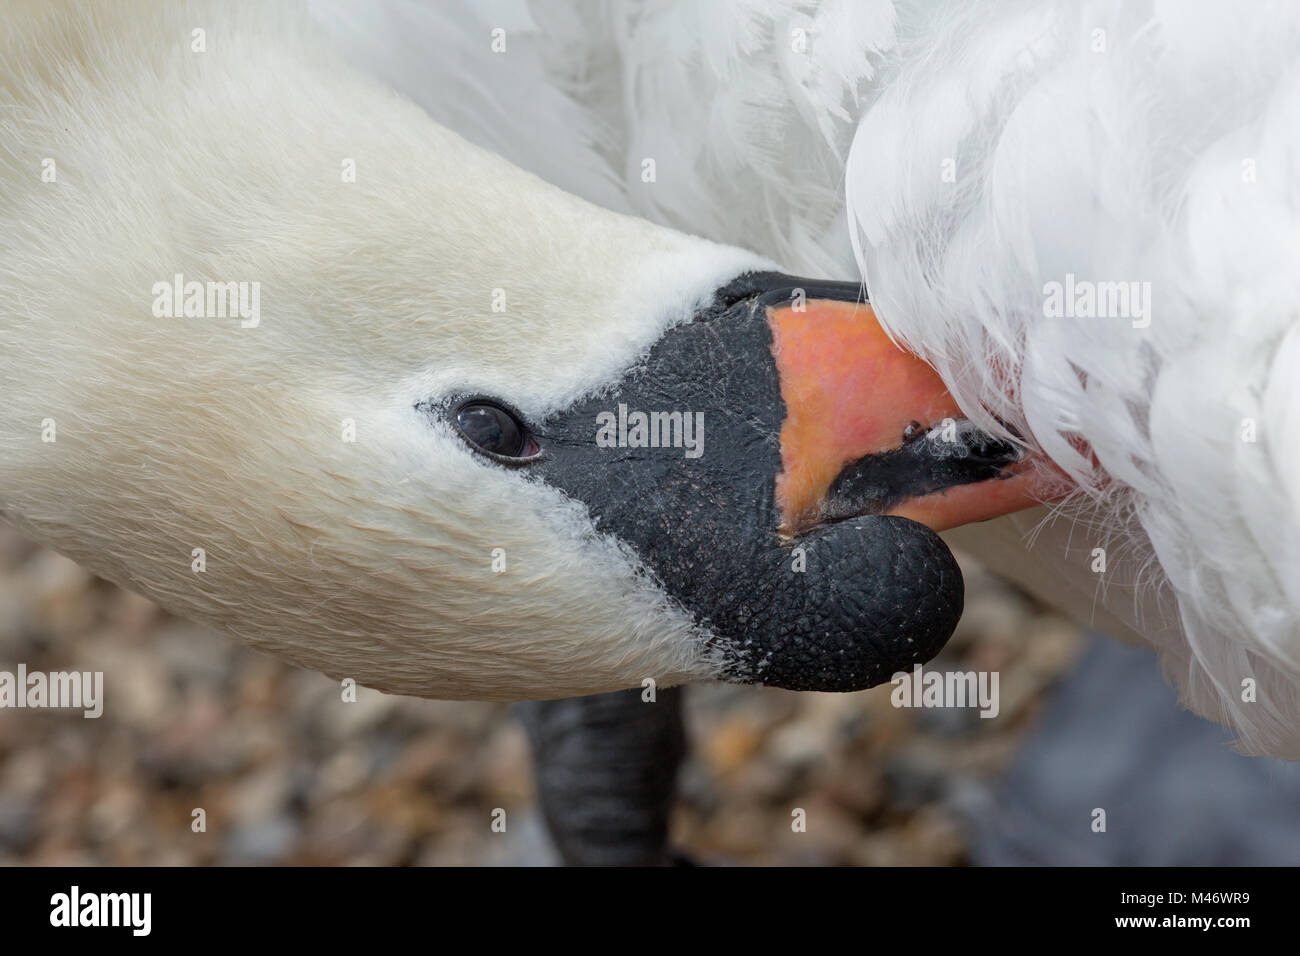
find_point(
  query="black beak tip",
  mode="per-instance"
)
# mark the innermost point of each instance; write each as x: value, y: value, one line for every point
x: 879, y: 594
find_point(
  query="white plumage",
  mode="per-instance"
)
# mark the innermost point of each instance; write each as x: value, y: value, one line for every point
x: 960, y: 157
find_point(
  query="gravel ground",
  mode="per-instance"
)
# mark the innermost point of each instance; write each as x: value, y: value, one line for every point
x: 287, y: 773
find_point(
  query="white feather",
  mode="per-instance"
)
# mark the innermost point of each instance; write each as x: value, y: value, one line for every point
x: 1119, y: 142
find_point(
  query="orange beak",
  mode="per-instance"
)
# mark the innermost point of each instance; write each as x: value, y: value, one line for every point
x: 871, y: 429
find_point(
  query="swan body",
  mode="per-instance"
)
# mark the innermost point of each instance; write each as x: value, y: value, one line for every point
x: 960, y: 160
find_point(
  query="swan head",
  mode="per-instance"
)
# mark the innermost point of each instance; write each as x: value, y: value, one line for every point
x: 468, y: 436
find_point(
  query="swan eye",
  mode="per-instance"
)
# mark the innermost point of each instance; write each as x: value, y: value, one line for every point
x: 494, y: 430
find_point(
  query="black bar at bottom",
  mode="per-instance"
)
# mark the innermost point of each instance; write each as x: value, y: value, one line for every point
x: 452, y: 907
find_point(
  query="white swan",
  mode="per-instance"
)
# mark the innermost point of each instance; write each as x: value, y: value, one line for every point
x: 137, y: 149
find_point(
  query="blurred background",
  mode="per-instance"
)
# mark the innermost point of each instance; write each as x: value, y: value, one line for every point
x: 288, y: 773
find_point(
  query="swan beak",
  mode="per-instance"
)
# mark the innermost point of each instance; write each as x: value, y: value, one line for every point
x: 870, y: 429
x: 801, y: 535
